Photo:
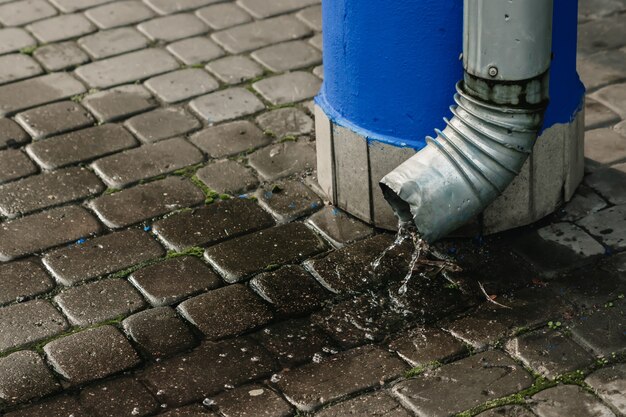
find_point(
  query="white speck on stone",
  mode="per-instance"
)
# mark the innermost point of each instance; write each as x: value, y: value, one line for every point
x: 256, y: 392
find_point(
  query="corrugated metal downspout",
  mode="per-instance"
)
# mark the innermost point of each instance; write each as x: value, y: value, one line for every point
x: 498, y: 114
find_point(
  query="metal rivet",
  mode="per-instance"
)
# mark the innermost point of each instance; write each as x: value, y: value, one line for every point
x: 493, y: 71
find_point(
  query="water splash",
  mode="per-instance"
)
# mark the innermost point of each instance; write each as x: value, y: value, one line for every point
x: 420, y: 246
x: 404, y: 232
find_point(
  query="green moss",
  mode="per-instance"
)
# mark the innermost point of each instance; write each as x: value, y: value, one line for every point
x: 111, y: 191
x: 196, y: 251
x: 210, y: 195
x: 28, y: 50
x: 411, y: 373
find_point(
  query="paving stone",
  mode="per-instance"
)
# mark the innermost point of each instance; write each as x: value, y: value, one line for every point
x: 91, y: 354
x: 613, y: 97
x: 283, y: 159
x: 29, y: 322
x: 603, y: 331
x: 338, y: 227
x: 508, y: 411
x: 607, y: 225
x: 37, y: 91
x: 148, y: 161
x: 423, y: 345
x: 146, y: 201
x: 22, y: 279
x: 11, y: 134
x: 159, y: 332
x: 15, y: 164
x: 610, y: 384
x: 228, y: 177
x: 101, y: 255
x: 193, y: 51
x: 119, y: 13
x: 14, y: 39
x: 288, y: 88
x: 47, y: 190
x: 242, y: 308
x: 69, y: 6
x: 262, y: 9
x: 314, y: 385
x: 609, y: 182
x: 162, y: 123
x: 195, y: 410
x: 181, y: 85
x: 235, y: 69
x: 173, y: 28
x: 597, y: 115
x: 61, y: 28
x: 289, y: 243
x: 19, y: 13
x: 621, y: 128
x: 607, y: 33
x: 212, y: 224
x: 173, y: 6
x: 24, y: 376
x: 616, y: 262
x: 80, y: 146
x: 261, y: 33
x: 45, y: 230
x: 252, y: 400
x: 377, y: 404
x: 604, y: 147
x: 60, y: 56
x: 174, y: 280
x: 222, y: 16
x: 595, y: 9
x: 16, y: 67
x: 224, y: 105
x: 319, y: 71
x: 312, y: 16
x: 206, y: 370
x: 463, y: 384
x: 53, y: 119
x: 119, y: 102
x: 288, y: 200
x: 112, y: 42
x: 285, y: 122
x: 584, y: 202
x: 588, y: 289
x: 288, y: 56
x: 601, y: 68
x: 63, y: 405
x: 290, y: 290
x: 230, y: 139
x: 568, y: 400
x: 118, y: 397
x: 127, y: 68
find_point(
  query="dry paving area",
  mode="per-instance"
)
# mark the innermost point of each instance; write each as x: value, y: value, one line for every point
x: 164, y: 249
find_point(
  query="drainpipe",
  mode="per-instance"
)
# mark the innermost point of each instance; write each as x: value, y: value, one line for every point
x: 499, y: 111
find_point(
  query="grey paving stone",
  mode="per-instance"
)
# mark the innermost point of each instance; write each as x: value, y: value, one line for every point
x: 159, y: 332
x: 288, y: 56
x: 613, y: 97
x: 584, y: 202
x: 195, y: 410
x: 16, y: 67
x: 146, y: 201
x: 60, y: 405
x: 228, y: 177
x: 261, y: 33
x: 54, y: 119
x: 314, y: 385
x: 242, y: 309
x: 378, y: 404
x: 288, y: 88
x: 212, y: 224
x: 604, y: 147
x: 312, y: 16
x: 508, y: 411
x: 463, y: 384
x: 61, y: 28
x: 14, y: 39
x: 37, y: 91
x: 602, y: 332
x: 119, y: 13
x: 91, y: 354
x: 279, y: 245
x: 22, y: 279
x: 288, y: 200
x: 240, y: 402
x: 24, y: 376
x: 29, y: 322
x: 173, y: 28
x: 60, y: 56
x: 162, y: 123
x: 609, y: 182
x: 206, y: 370
x: 285, y: 122
x: 173, y: 280
x: 127, y: 68
x: 587, y: 289
x: 595, y: 9
x: 112, y: 42
x: 601, y: 68
x: 19, y: 13
x: 597, y: 115
x: 290, y: 290
x: 102, y: 255
x: 568, y: 400
x: 607, y: 33
x: 147, y: 161
x: 283, y: 159
x: 262, y: 9
x: 338, y: 227
x: 230, y: 139
x: 118, y: 397
x: 316, y: 41
x: 423, y: 345
x: 45, y: 230
x: 222, y: 16
x: 193, y: 51
x: 235, y: 69
x: 119, y: 102
x: 610, y: 384
x: 48, y: 190
x: 15, y: 164
x: 69, y: 6
x: 225, y: 105
x: 608, y: 226
x: 173, y: 6
x: 80, y: 146
x: 11, y: 134
x: 181, y: 85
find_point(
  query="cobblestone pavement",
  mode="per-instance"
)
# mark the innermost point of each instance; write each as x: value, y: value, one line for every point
x: 164, y: 250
